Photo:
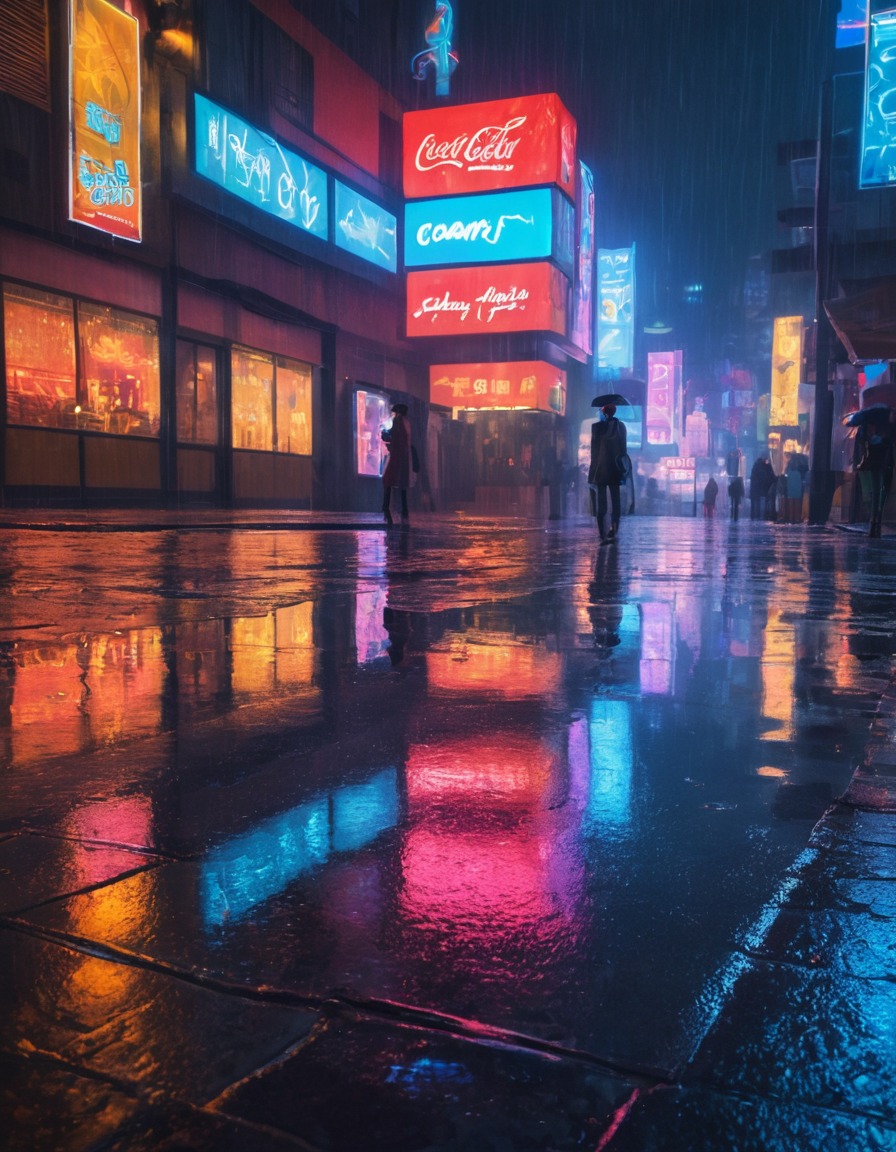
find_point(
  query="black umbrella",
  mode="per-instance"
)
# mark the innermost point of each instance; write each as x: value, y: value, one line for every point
x: 610, y: 398
x: 873, y: 414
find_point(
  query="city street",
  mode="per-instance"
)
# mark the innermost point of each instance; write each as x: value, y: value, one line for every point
x: 473, y: 835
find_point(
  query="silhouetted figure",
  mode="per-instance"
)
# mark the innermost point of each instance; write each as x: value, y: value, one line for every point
x: 710, y: 494
x: 875, y: 445
x: 762, y: 485
x: 735, y: 495
x: 608, y: 446
x: 399, y: 472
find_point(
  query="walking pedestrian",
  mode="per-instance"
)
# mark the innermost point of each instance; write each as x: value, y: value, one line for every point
x: 608, y: 448
x: 762, y: 481
x: 793, y: 488
x: 875, y: 445
x: 399, y: 472
x: 735, y: 495
x: 710, y: 492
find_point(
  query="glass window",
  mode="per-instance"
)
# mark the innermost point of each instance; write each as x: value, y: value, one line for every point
x: 120, y: 362
x: 197, y: 394
x: 39, y: 332
x: 293, y: 407
x: 253, y: 394
x: 372, y: 415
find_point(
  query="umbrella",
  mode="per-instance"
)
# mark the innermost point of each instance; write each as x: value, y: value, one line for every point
x: 873, y: 414
x: 610, y: 398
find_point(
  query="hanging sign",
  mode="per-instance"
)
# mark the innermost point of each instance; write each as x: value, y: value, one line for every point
x: 515, y: 143
x: 663, y: 396
x: 365, y: 228
x: 878, y: 167
x: 787, y: 358
x: 528, y: 225
x: 516, y: 384
x: 493, y: 298
x: 615, y: 308
x: 104, y: 164
x: 583, y: 282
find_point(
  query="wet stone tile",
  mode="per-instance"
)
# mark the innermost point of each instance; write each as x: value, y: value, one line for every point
x: 34, y: 869
x: 847, y: 828
x: 700, y: 1120
x: 143, y: 1027
x: 408, y: 1089
x: 822, y: 1039
x: 847, y: 942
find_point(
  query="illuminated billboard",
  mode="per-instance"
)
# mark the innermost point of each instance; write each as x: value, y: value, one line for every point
x: 663, y: 396
x: 104, y: 161
x: 583, y: 282
x: 615, y: 308
x: 787, y: 357
x: 878, y: 166
x: 365, y: 228
x: 530, y: 225
x: 851, y: 22
x: 516, y: 384
x: 255, y: 167
x: 490, y: 298
x: 527, y: 140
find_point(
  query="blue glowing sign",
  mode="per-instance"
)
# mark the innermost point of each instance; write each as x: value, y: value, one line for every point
x: 497, y: 226
x: 851, y: 22
x: 615, y: 308
x: 879, y: 124
x: 254, y: 166
x: 365, y: 229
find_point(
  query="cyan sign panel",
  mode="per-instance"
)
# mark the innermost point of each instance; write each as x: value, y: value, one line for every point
x: 878, y: 145
x: 533, y: 224
x: 365, y: 229
x: 615, y: 309
x: 254, y: 166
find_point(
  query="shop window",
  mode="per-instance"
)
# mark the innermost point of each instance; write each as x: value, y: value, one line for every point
x: 39, y: 333
x: 271, y: 403
x: 120, y: 366
x: 293, y: 407
x: 372, y: 415
x: 197, y: 394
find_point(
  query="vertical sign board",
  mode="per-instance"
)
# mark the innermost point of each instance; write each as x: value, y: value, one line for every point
x: 583, y: 281
x: 253, y: 166
x: 851, y: 21
x: 518, y: 384
x: 663, y: 396
x: 878, y: 166
x: 489, y: 298
x: 787, y: 356
x: 104, y: 110
x: 615, y: 309
x: 515, y: 143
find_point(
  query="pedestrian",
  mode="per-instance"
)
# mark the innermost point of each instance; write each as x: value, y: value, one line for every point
x: 762, y: 481
x: 710, y: 492
x: 875, y: 447
x: 793, y: 487
x: 735, y: 495
x: 399, y: 472
x: 607, y: 471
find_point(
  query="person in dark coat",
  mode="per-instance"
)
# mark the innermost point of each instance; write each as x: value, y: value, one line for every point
x: 398, y: 472
x: 735, y: 495
x: 710, y: 492
x: 875, y: 445
x: 762, y: 483
x: 608, y: 445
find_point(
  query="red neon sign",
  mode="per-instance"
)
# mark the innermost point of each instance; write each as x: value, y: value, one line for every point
x: 482, y: 147
x: 517, y: 384
x: 490, y: 298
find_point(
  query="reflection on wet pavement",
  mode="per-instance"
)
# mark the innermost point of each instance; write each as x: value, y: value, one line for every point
x: 489, y: 774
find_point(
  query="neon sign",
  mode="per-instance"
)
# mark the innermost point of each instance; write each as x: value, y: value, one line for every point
x: 255, y: 167
x: 104, y: 170
x: 878, y: 167
x: 787, y: 357
x: 502, y: 298
x: 531, y: 384
x: 438, y: 56
x: 495, y: 227
x: 663, y: 396
x: 365, y: 228
x: 528, y: 140
x: 615, y: 308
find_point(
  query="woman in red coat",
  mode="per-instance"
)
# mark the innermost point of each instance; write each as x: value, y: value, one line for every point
x: 398, y: 467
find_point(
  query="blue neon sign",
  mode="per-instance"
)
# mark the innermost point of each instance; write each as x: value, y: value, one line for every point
x: 879, y: 124
x: 496, y: 226
x: 615, y: 309
x: 254, y: 166
x: 365, y: 228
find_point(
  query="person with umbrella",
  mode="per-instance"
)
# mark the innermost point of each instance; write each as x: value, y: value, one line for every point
x: 609, y: 454
x: 874, y: 455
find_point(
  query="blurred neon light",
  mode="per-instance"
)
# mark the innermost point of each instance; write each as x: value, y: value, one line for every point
x: 532, y: 384
x: 511, y: 671
x: 852, y: 22
x: 438, y: 56
x: 663, y: 396
x: 878, y: 167
x: 611, y: 758
x: 787, y: 356
x: 491, y: 298
x: 583, y: 281
x: 365, y: 228
x: 615, y: 308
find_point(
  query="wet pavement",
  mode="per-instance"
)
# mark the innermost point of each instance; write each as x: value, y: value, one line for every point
x: 468, y: 836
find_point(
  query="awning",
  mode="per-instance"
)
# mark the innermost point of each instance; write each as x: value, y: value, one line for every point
x: 865, y: 321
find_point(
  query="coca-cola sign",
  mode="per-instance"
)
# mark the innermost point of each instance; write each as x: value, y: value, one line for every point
x: 528, y: 140
x: 499, y: 298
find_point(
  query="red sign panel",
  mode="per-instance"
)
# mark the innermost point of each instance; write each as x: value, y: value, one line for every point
x: 489, y: 298
x: 482, y: 147
x: 516, y: 384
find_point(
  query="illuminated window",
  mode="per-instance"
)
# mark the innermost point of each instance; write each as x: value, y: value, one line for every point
x: 39, y: 331
x: 120, y: 362
x: 197, y: 394
x: 372, y: 415
x: 271, y: 403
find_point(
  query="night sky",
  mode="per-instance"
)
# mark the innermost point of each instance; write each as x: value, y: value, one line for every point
x: 680, y: 106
